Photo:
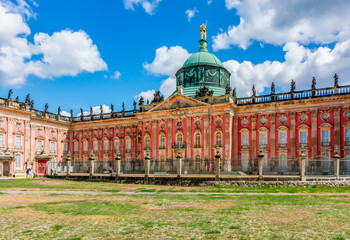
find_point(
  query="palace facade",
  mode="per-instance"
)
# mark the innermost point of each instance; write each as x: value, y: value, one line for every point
x: 203, y: 114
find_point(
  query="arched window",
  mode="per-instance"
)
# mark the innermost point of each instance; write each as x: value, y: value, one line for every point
x: 179, y: 140
x: 147, y: 142
x: 197, y: 142
x: 198, y: 163
x: 218, y: 137
x: 162, y: 163
x: 162, y: 142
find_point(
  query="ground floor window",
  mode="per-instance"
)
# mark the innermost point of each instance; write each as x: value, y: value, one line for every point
x: 18, y: 161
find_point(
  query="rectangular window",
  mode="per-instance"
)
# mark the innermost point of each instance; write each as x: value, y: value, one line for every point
x: 95, y: 146
x: 347, y: 135
x: 1, y: 140
x: 85, y: 146
x: 303, y: 138
x: 245, y: 140
x: 64, y: 147
x: 263, y: 138
x: 75, y: 147
x: 52, y: 147
x: 106, y: 146
x: 283, y: 138
x: 39, y: 144
x: 18, y: 141
x: 128, y: 145
x: 245, y: 162
x: 116, y: 145
x: 18, y: 161
x: 325, y: 136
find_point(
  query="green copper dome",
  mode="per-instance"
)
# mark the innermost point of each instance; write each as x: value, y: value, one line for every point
x: 203, y: 57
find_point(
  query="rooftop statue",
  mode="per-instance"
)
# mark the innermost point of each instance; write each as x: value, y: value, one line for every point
x: 228, y: 89
x: 91, y: 111
x: 141, y: 101
x: 292, y: 86
x: 101, y: 109
x: 71, y: 112
x: 17, y: 99
x: 203, y: 32
x: 112, y: 108
x: 27, y: 99
x: 157, y: 97
x: 234, y: 93
x: 254, y: 91
x: 273, y: 90
x: 313, y: 85
x: 336, y: 84
x: 123, y: 106
x: 59, y: 110
x: 46, y: 107
x: 204, y: 92
x: 10, y: 94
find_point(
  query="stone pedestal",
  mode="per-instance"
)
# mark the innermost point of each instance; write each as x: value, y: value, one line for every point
x: 260, y: 165
x: 179, y: 165
x: 217, y: 166
x: 302, y: 157
x: 117, y: 166
x: 336, y: 158
x: 147, y: 166
x: 69, y: 164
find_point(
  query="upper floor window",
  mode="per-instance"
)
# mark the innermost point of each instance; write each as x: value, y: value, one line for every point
x: 162, y: 141
x: 283, y: 138
x: 147, y: 142
x: 52, y: 147
x: 75, y: 147
x: 85, y: 146
x: 179, y: 139
x: 64, y: 147
x: 128, y: 145
x: 197, y: 142
x: 325, y: 136
x: 263, y: 138
x: 39, y: 145
x: 218, y: 137
x: 95, y: 146
x: 18, y: 141
x: 245, y: 140
x: 116, y: 145
x: 105, y: 146
x: 18, y: 161
x: 347, y: 135
x: 1, y: 140
x: 303, y: 137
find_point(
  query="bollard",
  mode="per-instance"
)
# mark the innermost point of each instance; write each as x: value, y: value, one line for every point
x: 69, y: 163
x: 217, y: 163
x: 336, y: 158
x: 302, y: 158
x: 261, y: 162
x: 117, y: 165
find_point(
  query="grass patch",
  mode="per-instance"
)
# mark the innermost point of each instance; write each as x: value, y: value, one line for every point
x: 112, y: 190
x: 57, y: 227
x: 85, y: 207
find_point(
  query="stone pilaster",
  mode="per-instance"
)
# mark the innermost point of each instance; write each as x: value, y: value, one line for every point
x: 122, y: 142
x: 134, y: 142
x: 10, y: 143
x: 139, y: 139
x: 206, y: 137
x: 154, y: 139
x: 170, y: 137
x: 235, y: 139
x: 314, y: 144
x: 228, y: 141
x: 337, y: 134
x: 189, y: 137
x: 27, y: 142
x: 254, y: 149
x: 293, y: 146
x: 273, y: 135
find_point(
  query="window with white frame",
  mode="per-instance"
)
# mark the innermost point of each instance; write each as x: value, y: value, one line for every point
x: 245, y: 140
x: 105, y: 146
x: 179, y: 139
x: 1, y: 140
x: 325, y: 136
x: 347, y: 136
x: 18, y: 142
x: 18, y: 161
x: 75, y: 147
x: 95, y: 146
x: 197, y: 140
x: 245, y: 161
x: 39, y: 145
x: 303, y: 137
x: 218, y: 137
x: 283, y: 138
x: 85, y: 146
x: 147, y: 142
x: 64, y: 147
x: 162, y: 142
x: 128, y: 145
x: 52, y: 147
x: 116, y: 145
x: 263, y: 138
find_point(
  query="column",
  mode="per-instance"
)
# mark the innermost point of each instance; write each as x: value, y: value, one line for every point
x: 337, y: 141
x: 27, y: 142
x: 228, y: 141
x: 10, y: 143
x: 253, y: 119
x: 293, y: 146
x: 314, y: 133
x: 206, y: 136
x: 139, y: 139
x: 122, y: 142
x: 154, y: 139
x: 273, y: 135
x: 170, y: 137
x: 189, y: 137
x: 134, y: 142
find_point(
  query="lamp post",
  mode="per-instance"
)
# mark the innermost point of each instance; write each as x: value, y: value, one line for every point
x: 261, y: 162
x: 302, y: 157
x: 217, y: 163
x: 179, y: 161
x: 336, y: 158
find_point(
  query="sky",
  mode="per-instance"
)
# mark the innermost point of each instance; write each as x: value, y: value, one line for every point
x: 82, y: 53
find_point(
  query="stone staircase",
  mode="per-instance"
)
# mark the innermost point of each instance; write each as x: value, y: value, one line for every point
x: 20, y: 173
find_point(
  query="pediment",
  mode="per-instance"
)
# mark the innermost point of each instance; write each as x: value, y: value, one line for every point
x: 178, y: 101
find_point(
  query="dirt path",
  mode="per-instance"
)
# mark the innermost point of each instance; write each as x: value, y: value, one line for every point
x: 167, y: 193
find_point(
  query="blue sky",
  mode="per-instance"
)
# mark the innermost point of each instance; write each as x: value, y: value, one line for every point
x: 274, y: 42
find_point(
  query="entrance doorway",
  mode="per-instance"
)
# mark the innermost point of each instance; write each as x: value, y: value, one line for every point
x: 6, y: 168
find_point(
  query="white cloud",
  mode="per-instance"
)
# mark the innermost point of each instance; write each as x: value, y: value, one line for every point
x: 117, y: 75
x: 64, y: 53
x: 190, y: 13
x: 300, y: 64
x: 167, y: 60
x: 210, y: 2
x: 64, y: 113
x: 148, y: 5
x: 231, y: 4
x: 278, y: 22
x: 147, y: 95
